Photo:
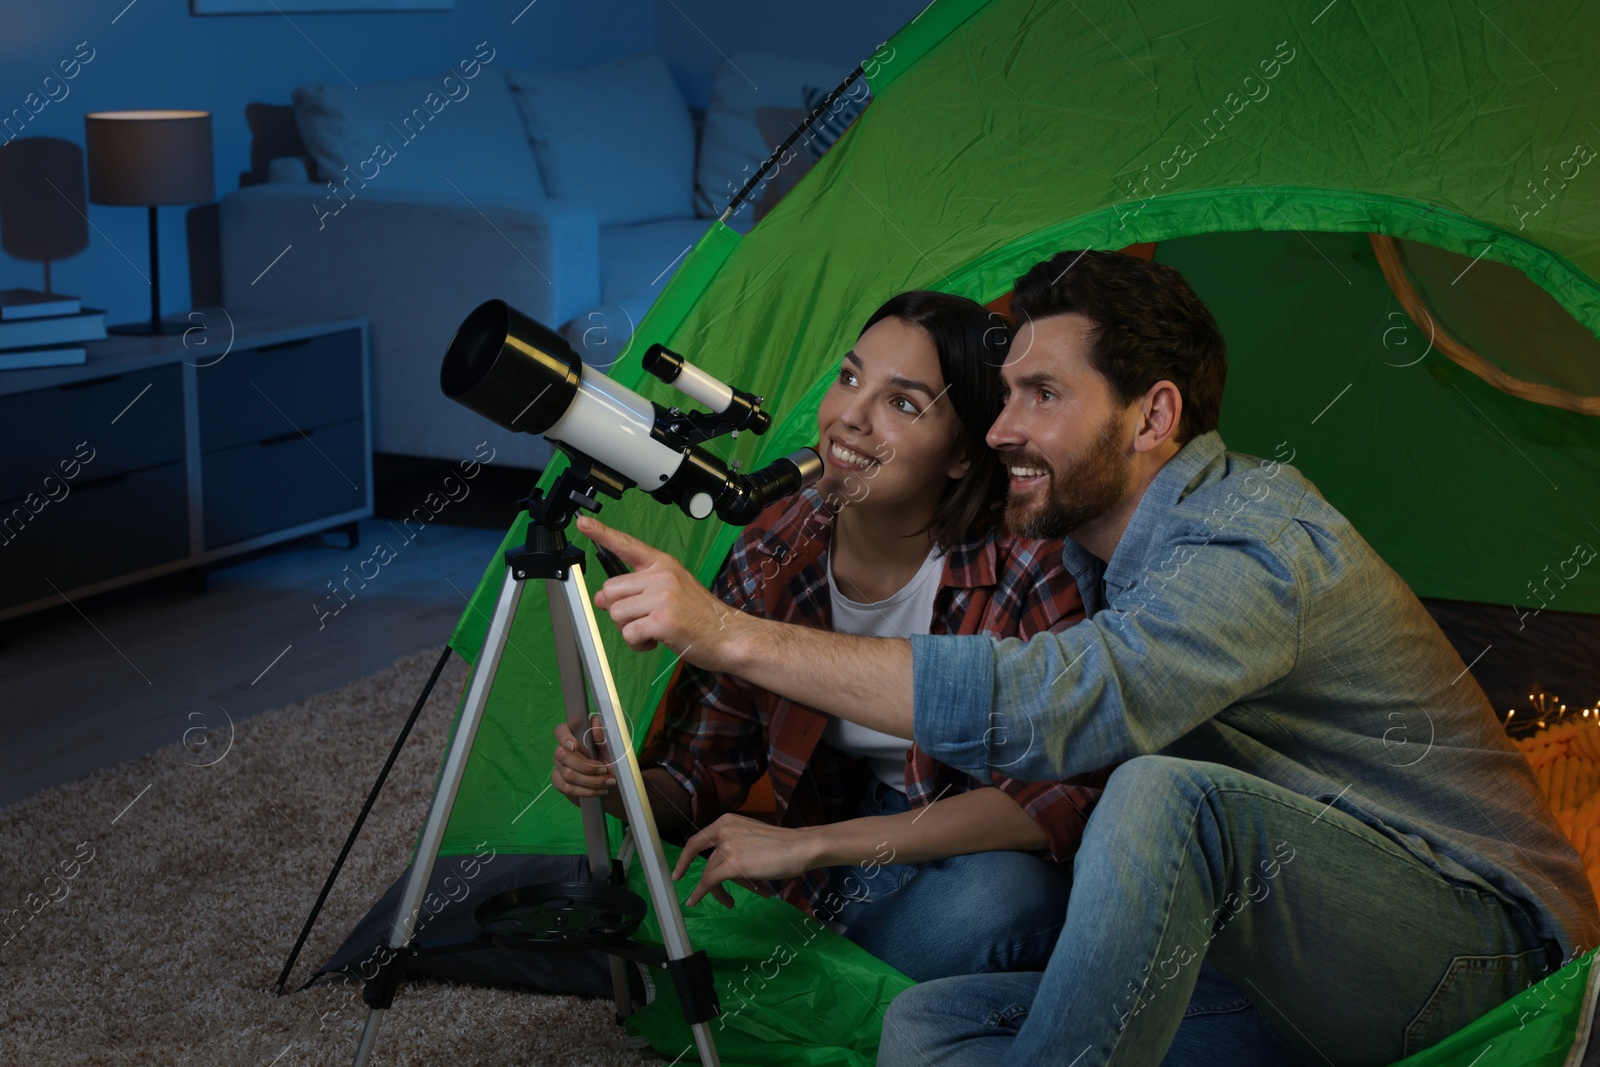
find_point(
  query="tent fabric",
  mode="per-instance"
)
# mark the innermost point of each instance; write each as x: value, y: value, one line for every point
x: 790, y: 990
x: 1470, y: 494
x: 456, y: 887
x: 1502, y: 315
x: 1522, y: 314
x: 1257, y: 146
x: 1547, y: 1025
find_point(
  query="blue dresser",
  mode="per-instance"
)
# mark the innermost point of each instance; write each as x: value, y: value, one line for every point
x: 172, y: 453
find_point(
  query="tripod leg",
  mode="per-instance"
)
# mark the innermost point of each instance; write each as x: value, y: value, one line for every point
x: 575, y: 695
x: 355, y: 831
x: 455, y: 767
x: 574, y: 597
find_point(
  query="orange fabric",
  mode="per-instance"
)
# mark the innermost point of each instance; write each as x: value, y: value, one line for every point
x: 760, y: 803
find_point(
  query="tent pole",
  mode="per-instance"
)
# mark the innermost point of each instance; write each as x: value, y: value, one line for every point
x: 761, y: 171
x: 355, y: 831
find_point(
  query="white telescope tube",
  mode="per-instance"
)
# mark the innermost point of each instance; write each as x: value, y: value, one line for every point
x: 611, y: 424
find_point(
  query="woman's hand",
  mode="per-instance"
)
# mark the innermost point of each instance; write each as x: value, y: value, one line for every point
x: 747, y: 852
x: 575, y: 775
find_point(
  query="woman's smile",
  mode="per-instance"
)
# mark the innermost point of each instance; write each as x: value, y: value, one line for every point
x: 846, y: 458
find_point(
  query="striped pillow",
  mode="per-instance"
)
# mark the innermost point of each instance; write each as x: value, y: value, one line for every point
x: 830, y: 126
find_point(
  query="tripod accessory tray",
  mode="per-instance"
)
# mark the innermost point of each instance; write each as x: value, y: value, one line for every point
x: 570, y: 916
x: 560, y: 916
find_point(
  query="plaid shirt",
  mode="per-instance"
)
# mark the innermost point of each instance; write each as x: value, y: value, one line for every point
x: 720, y: 733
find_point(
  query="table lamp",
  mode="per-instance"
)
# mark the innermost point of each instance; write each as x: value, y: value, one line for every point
x: 147, y: 159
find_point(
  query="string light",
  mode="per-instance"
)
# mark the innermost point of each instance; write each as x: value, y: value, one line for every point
x: 1565, y: 760
x: 1546, y: 711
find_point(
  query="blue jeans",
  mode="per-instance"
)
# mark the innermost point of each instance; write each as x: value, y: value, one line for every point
x: 941, y: 918
x: 961, y: 1022
x: 1194, y: 875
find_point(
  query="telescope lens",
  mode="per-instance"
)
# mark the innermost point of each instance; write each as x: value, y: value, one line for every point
x: 510, y: 369
x: 472, y: 352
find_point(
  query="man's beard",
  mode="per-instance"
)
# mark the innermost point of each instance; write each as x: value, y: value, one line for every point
x: 1071, y: 498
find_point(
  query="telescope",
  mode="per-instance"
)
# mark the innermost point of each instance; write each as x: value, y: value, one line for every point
x: 524, y: 376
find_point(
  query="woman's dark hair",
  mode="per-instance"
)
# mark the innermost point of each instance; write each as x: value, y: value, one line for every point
x: 1148, y: 326
x: 972, y: 343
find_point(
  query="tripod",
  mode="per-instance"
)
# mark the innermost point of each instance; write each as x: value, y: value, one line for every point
x: 562, y: 916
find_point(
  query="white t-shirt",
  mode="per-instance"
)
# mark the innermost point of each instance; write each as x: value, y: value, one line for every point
x: 910, y: 611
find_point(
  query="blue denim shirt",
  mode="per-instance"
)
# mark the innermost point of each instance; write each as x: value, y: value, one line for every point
x: 1244, y: 621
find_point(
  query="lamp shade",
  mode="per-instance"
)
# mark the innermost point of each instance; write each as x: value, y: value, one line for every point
x: 149, y: 158
x: 42, y: 199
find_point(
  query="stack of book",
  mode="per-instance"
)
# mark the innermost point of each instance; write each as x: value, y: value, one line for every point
x: 44, y: 329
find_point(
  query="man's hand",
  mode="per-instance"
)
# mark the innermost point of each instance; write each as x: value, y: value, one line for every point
x: 748, y: 852
x: 865, y: 680
x: 661, y: 601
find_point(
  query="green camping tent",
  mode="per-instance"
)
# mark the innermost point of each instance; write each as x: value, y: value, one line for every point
x: 1259, y: 146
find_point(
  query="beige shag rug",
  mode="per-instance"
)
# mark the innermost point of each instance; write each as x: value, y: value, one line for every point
x: 149, y: 907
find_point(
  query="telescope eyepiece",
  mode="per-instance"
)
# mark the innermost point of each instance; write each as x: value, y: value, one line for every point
x: 743, y: 408
x: 663, y: 362
x: 750, y: 494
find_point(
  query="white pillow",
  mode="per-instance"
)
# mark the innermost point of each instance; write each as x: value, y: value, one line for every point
x: 421, y: 133
x: 731, y: 145
x: 616, y: 137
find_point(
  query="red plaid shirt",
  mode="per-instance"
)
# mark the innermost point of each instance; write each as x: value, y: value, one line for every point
x: 720, y: 733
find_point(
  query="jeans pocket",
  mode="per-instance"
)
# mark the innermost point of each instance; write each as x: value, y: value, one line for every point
x: 903, y: 873
x: 1215, y: 994
x: 1471, y: 987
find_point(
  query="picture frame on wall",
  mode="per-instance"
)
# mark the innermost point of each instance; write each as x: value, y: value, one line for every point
x: 304, y: 7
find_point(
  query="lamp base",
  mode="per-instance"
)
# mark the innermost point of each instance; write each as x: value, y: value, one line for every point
x: 150, y: 329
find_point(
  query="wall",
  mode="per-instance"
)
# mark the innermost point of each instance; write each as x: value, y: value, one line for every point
x: 154, y: 54
x: 695, y: 35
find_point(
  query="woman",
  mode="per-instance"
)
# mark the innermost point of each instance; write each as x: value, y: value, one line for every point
x: 898, y: 537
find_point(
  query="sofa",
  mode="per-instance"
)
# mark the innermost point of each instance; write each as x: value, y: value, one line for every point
x: 573, y: 195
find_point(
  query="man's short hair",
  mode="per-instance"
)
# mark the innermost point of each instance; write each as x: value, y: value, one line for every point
x: 1148, y: 326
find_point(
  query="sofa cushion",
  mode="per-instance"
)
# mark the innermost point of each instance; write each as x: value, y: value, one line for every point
x: 640, y: 259
x: 604, y: 334
x: 732, y: 147
x: 636, y: 262
x: 421, y: 133
x: 776, y: 125
x: 616, y: 136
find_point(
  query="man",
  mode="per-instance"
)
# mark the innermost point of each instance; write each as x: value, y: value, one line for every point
x: 1314, y: 798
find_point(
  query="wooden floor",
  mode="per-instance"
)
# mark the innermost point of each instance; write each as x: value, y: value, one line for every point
x: 113, y: 677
